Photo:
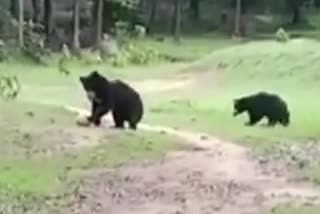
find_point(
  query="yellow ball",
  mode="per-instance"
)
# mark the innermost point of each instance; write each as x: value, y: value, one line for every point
x: 82, y: 120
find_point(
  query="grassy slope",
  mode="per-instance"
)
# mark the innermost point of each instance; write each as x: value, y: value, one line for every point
x: 290, y: 70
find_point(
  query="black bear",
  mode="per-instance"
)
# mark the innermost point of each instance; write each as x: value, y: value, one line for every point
x: 261, y: 105
x: 115, y: 96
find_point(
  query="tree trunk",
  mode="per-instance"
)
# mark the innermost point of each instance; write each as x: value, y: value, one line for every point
x: 14, y: 8
x: 36, y: 11
x: 48, y: 17
x: 194, y: 6
x: 295, y: 6
x: 21, y: 23
x: 107, y: 15
x: 152, y: 15
x: 296, y: 17
x: 99, y: 21
x: 177, y: 20
x: 75, y: 38
x: 237, y: 21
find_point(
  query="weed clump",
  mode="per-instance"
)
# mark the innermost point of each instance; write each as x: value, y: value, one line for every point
x: 281, y: 35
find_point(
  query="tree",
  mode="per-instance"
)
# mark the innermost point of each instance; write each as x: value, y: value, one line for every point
x: 295, y: 7
x: 21, y: 23
x: 36, y: 11
x: 153, y: 15
x: 194, y: 7
x: 76, y: 26
x: 237, y: 21
x: 48, y: 17
x: 98, y: 21
x: 177, y: 20
x: 14, y: 8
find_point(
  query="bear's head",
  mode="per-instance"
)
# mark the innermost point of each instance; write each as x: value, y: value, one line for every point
x: 239, y: 106
x: 92, y: 84
x: 285, y: 120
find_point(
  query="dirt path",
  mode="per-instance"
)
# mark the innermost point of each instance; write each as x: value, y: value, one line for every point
x: 151, y: 86
x: 216, y: 177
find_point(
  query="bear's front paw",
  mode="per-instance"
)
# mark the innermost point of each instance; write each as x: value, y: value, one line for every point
x: 249, y: 124
x: 97, y: 123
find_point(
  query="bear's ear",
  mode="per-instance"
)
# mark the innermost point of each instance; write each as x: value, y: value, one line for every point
x: 235, y: 100
x: 81, y: 79
x: 95, y: 73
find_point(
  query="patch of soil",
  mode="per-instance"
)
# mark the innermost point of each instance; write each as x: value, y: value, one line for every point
x: 47, y: 140
x: 217, y: 177
x: 222, y: 180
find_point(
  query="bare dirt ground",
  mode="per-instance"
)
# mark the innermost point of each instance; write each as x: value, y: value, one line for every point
x: 216, y: 177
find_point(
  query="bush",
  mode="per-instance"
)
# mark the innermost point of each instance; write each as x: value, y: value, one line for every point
x: 4, y: 53
x: 281, y: 35
x: 34, y: 45
x: 90, y: 57
x: 122, y: 32
x: 139, y: 31
x: 9, y: 87
x: 133, y: 54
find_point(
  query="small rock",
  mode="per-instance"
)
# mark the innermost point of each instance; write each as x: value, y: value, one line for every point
x: 263, y: 160
x: 301, y: 164
x: 127, y: 179
x: 308, y: 204
x: 82, y: 197
x: 198, y: 148
x: 204, y: 137
x: 193, y: 119
x: 178, y: 212
x: 163, y: 132
x: 30, y: 114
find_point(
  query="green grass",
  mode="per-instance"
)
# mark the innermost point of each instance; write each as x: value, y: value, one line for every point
x: 190, y: 47
x: 39, y: 175
x: 290, y: 69
x: 44, y: 91
x: 25, y: 170
x: 296, y: 210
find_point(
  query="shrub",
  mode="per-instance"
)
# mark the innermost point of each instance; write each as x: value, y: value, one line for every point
x: 34, y: 45
x: 281, y: 35
x: 139, y: 31
x: 9, y: 87
x: 133, y: 54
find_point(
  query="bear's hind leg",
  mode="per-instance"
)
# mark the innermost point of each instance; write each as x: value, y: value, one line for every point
x: 118, y: 120
x: 133, y: 125
x: 271, y: 122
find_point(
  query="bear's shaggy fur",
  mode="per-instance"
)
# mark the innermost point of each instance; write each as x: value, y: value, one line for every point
x: 117, y: 96
x: 261, y: 105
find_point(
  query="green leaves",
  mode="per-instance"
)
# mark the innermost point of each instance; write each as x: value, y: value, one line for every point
x: 126, y: 3
x: 9, y: 87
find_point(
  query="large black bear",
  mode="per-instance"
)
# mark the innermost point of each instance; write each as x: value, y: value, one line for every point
x: 117, y: 96
x: 261, y: 105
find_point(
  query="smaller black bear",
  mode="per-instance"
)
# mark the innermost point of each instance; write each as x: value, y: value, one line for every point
x: 261, y: 105
x: 117, y: 96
